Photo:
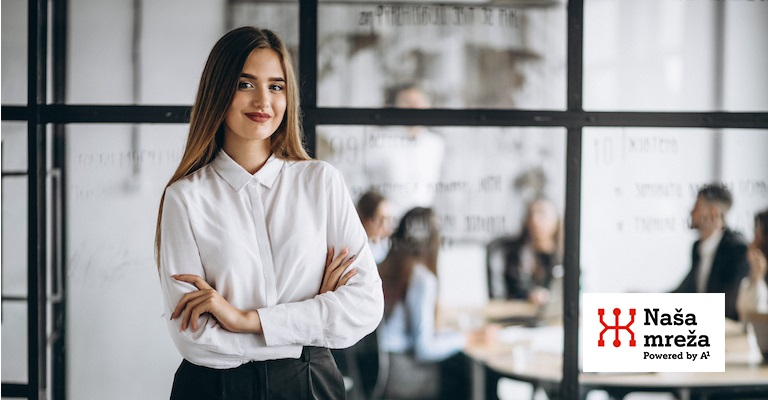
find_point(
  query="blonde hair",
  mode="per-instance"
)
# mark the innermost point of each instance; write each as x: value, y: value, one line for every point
x: 214, y: 96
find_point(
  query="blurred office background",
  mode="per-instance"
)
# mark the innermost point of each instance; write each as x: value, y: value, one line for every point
x: 496, y: 75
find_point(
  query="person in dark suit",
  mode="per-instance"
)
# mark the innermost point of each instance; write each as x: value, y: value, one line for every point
x: 719, y: 257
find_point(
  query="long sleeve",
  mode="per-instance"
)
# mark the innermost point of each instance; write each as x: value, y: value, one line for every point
x: 340, y: 318
x: 179, y: 255
x: 420, y: 302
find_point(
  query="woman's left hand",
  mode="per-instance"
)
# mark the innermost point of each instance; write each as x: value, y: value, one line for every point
x: 207, y: 300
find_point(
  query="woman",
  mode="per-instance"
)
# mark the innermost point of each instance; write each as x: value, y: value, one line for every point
x: 376, y: 215
x: 424, y: 363
x: 753, y: 292
x: 246, y: 235
x: 528, y: 262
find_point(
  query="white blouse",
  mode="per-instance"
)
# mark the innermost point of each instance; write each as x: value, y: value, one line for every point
x: 261, y: 241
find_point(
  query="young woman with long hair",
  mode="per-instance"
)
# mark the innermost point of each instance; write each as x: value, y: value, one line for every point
x: 424, y: 361
x: 263, y: 262
x: 528, y: 262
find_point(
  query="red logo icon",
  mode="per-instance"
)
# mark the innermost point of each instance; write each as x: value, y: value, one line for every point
x: 616, y: 327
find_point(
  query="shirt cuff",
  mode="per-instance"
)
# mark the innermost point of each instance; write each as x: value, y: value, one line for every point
x: 283, y: 326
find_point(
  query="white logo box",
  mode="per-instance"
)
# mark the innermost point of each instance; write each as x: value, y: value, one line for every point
x: 673, y: 332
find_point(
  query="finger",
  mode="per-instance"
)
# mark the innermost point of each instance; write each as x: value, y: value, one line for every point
x: 339, y: 271
x: 183, y: 302
x: 196, y: 280
x: 344, y: 279
x: 197, y: 311
x: 338, y: 261
x: 332, y: 267
x: 329, y: 256
x: 349, y: 261
x: 328, y: 263
x: 191, y: 302
x: 189, y: 312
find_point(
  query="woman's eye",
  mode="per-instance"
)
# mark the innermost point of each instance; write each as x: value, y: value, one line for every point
x: 244, y: 85
x: 275, y: 87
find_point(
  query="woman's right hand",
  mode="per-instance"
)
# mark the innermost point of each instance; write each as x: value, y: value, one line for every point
x: 334, y: 268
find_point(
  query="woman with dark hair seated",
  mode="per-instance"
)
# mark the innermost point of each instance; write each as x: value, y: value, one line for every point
x: 423, y: 363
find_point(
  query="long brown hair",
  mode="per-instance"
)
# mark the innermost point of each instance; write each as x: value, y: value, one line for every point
x: 557, y: 235
x: 214, y: 96
x: 416, y: 241
x: 761, y: 224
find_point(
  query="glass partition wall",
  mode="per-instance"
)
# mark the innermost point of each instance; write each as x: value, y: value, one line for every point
x: 616, y: 111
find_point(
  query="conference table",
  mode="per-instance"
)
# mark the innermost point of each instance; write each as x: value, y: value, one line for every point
x: 532, y: 352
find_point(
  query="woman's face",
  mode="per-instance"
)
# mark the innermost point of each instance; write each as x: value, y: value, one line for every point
x: 259, y: 103
x: 380, y: 225
x: 542, y: 220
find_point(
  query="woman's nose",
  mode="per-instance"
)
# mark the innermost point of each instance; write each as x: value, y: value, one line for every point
x: 260, y: 98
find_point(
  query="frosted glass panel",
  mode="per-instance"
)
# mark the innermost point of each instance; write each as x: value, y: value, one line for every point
x: 14, y: 48
x: 116, y: 175
x: 461, y: 56
x: 639, y: 186
x: 478, y: 180
x: 172, y: 39
x: 658, y: 55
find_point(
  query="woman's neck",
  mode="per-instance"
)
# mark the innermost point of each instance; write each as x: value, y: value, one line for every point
x: 250, y: 154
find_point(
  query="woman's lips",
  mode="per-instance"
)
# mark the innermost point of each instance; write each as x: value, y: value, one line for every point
x: 258, y: 117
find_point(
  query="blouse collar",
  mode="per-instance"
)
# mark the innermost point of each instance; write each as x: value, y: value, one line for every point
x: 238, y: 177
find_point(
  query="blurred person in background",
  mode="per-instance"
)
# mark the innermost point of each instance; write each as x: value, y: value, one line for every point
x: 404, y: 163
x: 524, y: 267
x: 753, y: 292
x: 719, y: 257
x: 424, y: 363
x: 376, y: 215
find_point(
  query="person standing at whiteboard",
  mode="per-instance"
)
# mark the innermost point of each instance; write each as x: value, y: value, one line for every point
x: 719, y: 257
x: 263, y: 262
x: 404, y: 163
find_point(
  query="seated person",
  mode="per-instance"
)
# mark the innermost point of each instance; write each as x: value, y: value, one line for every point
x: 524, y: 266
x: 376, y: 215
x: 753, y: 291
x: 719, y: 257
x: 423, y: 363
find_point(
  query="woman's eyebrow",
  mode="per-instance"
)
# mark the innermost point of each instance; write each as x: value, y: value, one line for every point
x: 275, y: 79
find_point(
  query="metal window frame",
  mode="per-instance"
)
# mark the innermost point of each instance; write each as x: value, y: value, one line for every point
x: 38, y: 113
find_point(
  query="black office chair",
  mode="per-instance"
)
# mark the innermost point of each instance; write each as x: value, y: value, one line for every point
x: 359, y: 365
x: 495, y: 254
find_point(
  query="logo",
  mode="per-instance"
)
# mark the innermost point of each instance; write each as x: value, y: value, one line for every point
x: 653, y: 332
x: 616, y: 327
